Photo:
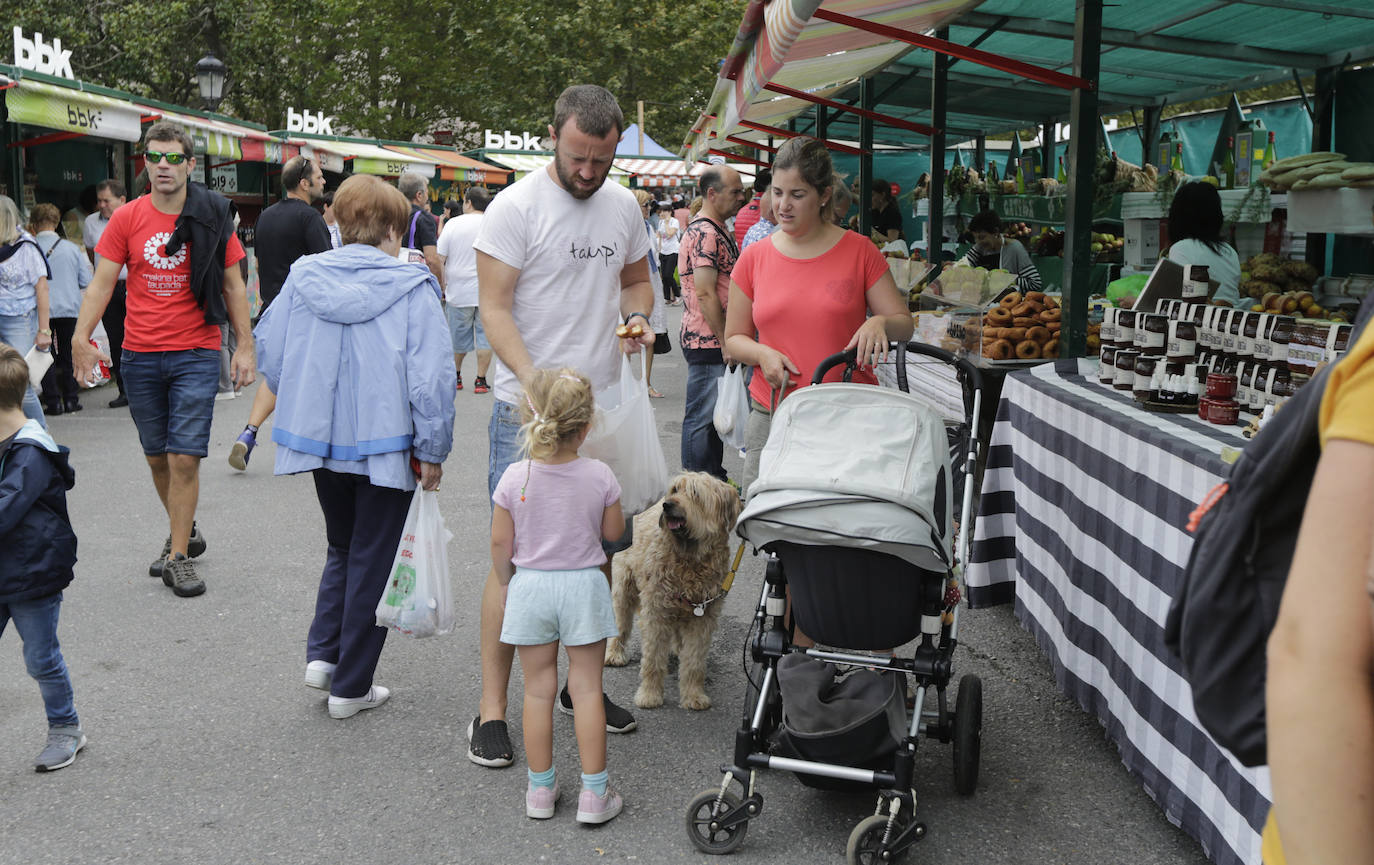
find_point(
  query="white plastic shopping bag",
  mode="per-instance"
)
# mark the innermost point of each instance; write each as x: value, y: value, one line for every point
x: 732, y: 407
x: 38, y: 359
x: 418, y: 601
x: 624, y: 436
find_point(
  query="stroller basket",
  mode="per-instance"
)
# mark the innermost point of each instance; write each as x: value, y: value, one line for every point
x: 858, y: 599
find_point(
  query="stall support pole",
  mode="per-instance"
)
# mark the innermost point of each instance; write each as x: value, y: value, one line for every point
x: 1149, y: 130
x: 1078, y: 257
x: 980, y: 153
x: 1324, y: 92
x: 822, y: 126
x: 1047, y: 148
x: 866, y: 160
x: 936, y: 221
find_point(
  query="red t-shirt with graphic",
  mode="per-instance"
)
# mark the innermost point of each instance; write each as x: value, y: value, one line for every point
x: 162, y: 312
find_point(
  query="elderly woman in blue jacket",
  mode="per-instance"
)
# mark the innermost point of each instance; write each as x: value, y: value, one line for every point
x: 357, y: 351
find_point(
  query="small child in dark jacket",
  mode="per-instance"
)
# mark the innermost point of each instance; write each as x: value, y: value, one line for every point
x: 40, y: 549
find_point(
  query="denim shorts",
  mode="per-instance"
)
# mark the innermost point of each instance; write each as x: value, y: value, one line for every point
x: 573, y: 607
x: 172, y: 398
x: 503, y: 440
x: 465, y: 329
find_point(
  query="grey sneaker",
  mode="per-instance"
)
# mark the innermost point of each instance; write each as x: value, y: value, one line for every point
x: 180, y: 576
x: 64, y: 743
x: 193, y: 549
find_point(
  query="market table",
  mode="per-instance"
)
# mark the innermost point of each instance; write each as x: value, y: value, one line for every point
x: 1084, y: 501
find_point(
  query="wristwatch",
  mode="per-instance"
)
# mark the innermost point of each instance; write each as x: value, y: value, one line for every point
x: 633, y: 314
x: 45, y: 331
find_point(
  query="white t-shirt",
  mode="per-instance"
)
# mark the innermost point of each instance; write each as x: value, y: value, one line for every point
x: 460, y: 260
x: 570, y: 254
x: 90, y: 233
x: 1224, y: 267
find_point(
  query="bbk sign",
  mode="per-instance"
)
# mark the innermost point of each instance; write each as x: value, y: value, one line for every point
x: 309, y: 121
x: 36, y: 55
x: 510, y: 141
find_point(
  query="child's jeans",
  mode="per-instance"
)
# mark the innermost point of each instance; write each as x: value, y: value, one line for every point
x: 36, y: 622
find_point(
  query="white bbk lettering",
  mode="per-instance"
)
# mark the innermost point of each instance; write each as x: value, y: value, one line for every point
x: 309, y: 121
x: 510, y: 141
x: 39, y: 56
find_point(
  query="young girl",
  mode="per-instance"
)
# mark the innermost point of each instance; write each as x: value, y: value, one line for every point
x: 551, y: 511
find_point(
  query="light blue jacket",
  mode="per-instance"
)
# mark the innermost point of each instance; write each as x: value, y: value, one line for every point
x: 71, y: 272
x: 358, y: 352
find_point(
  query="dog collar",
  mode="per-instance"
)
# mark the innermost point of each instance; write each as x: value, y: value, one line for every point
x: 698, y: 607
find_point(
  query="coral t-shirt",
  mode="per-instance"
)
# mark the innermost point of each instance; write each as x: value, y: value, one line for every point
x: 162, y: 312
x: 809, y: 308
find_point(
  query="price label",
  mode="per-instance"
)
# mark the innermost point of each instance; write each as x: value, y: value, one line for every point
x: 224, y: 179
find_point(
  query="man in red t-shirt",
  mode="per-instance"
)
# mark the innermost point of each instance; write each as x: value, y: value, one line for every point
x: 182, y: 255
x: 750, y: 213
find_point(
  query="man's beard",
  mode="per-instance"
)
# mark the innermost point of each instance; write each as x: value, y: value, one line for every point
x: 572, y: 183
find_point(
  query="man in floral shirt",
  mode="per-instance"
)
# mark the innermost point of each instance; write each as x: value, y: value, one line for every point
x: 705, y: 259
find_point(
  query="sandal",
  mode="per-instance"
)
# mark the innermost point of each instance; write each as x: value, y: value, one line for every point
x: 654, y: 393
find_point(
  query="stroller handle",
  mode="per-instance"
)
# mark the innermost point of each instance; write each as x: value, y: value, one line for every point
x: 970, y: 372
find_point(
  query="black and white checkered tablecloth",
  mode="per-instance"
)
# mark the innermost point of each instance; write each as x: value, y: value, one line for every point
x: 1084, y: 502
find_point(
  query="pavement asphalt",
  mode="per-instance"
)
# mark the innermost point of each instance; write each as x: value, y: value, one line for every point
x: 206, y: 746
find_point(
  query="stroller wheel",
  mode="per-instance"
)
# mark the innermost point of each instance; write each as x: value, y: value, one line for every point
x: 865, y: 845
x: 703, y: 812
x: 968, y: 734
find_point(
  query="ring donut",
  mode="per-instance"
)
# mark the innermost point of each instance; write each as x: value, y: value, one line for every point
x: 1023, y: 309
x: 1010, y: 300
x: 1052, y: 315
x: 1053, y: 327
x: 1035, y: 296
x: 1039, y: 333
x: 1051, y: 349
x: 1014, y: 334
x: 1027, y: 350
x: 999, y: 316
x: 999, y: 350
x: 1024, y: 321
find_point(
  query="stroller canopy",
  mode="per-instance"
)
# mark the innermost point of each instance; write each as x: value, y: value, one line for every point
x: 854, y: 465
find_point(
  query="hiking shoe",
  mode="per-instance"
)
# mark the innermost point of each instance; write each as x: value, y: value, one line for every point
x: 319, y: 674
x: 194, y: 548
x: 460, y: 382
x: 540, y: 801
x: 179, y: 574
x: 617, y: 719
x: 347, y: 707
x: 489, y: 744
x: 480, y: 385
x: 64, y: 743
x: 594, y: 809
x: 242, y: 449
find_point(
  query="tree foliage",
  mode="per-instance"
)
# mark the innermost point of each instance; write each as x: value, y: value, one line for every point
x: 396, y: 69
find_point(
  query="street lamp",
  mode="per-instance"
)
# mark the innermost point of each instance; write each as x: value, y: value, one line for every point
x: 210, y: 80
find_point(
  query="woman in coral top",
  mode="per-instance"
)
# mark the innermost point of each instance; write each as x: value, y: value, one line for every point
x: 807, y: 291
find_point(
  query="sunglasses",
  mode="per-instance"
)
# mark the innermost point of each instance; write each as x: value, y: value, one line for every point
x: 155, y: 157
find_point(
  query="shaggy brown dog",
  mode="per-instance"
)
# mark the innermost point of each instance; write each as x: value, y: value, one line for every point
x: 681, y: 554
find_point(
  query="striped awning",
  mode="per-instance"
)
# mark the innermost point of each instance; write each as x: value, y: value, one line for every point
x: 776, y: 38
x: 655, y: 172
x: 214, y: 136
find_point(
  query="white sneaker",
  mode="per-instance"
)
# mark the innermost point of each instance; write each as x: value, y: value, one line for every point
x: 319, y: 674
x: 347, y: 707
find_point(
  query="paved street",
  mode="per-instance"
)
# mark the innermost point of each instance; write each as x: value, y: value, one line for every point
x: 206, y: 747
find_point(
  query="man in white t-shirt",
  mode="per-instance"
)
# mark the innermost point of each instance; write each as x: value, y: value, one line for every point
x: 459, y: 261
x: 562, y: 260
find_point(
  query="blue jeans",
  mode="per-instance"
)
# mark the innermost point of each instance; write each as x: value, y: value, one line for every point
x: 702, y: 449
x: 19, y: 331
x: 172, y: 398
x: 503, y: 441
x: 36, y: 622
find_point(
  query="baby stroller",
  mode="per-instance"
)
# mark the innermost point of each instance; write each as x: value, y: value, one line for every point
x: 854, y: 504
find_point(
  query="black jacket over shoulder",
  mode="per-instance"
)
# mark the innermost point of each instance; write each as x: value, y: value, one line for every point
x: 37, y: 544
x: 206, y: 222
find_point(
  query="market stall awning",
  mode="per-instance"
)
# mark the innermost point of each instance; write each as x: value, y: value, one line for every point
x: 72, y: 109
x: 454, y: 165
x: 522, y: 162
x: 776, y: 38
x: 655, y: 172
x: 365, y: 156
x: 214, y: 135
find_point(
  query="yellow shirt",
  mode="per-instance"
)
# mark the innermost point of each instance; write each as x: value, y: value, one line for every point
x: 1347, y: 412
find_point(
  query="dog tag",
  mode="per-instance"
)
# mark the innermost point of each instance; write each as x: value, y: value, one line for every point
x: 699, y: 610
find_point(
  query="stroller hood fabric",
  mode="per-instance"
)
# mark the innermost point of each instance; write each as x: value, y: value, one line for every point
x: 858, y: 466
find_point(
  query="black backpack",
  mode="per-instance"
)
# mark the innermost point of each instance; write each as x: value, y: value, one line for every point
x: 1244, y: 537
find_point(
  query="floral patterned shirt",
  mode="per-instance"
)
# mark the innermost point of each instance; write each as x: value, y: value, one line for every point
x: 706, y: 243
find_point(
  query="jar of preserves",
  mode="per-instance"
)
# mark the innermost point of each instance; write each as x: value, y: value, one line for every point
x: 1249, y: 329
x: 1142, y: 387
x: 1180, y: 342
x: 1125, y: 328
x: 1221, y: 385
x: 1125, y: 369
x: 1106, y: 371
x: 1150, y: 331
x: 1280, y: 335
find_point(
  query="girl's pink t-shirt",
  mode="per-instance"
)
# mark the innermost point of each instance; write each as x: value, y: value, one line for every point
x: 809, y: 308
x: 558, y: 525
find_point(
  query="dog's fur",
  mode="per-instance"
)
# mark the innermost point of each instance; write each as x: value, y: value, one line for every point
x: 681, y: 554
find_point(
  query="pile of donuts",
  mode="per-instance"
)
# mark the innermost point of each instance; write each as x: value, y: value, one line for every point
x: 1020, y: 327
